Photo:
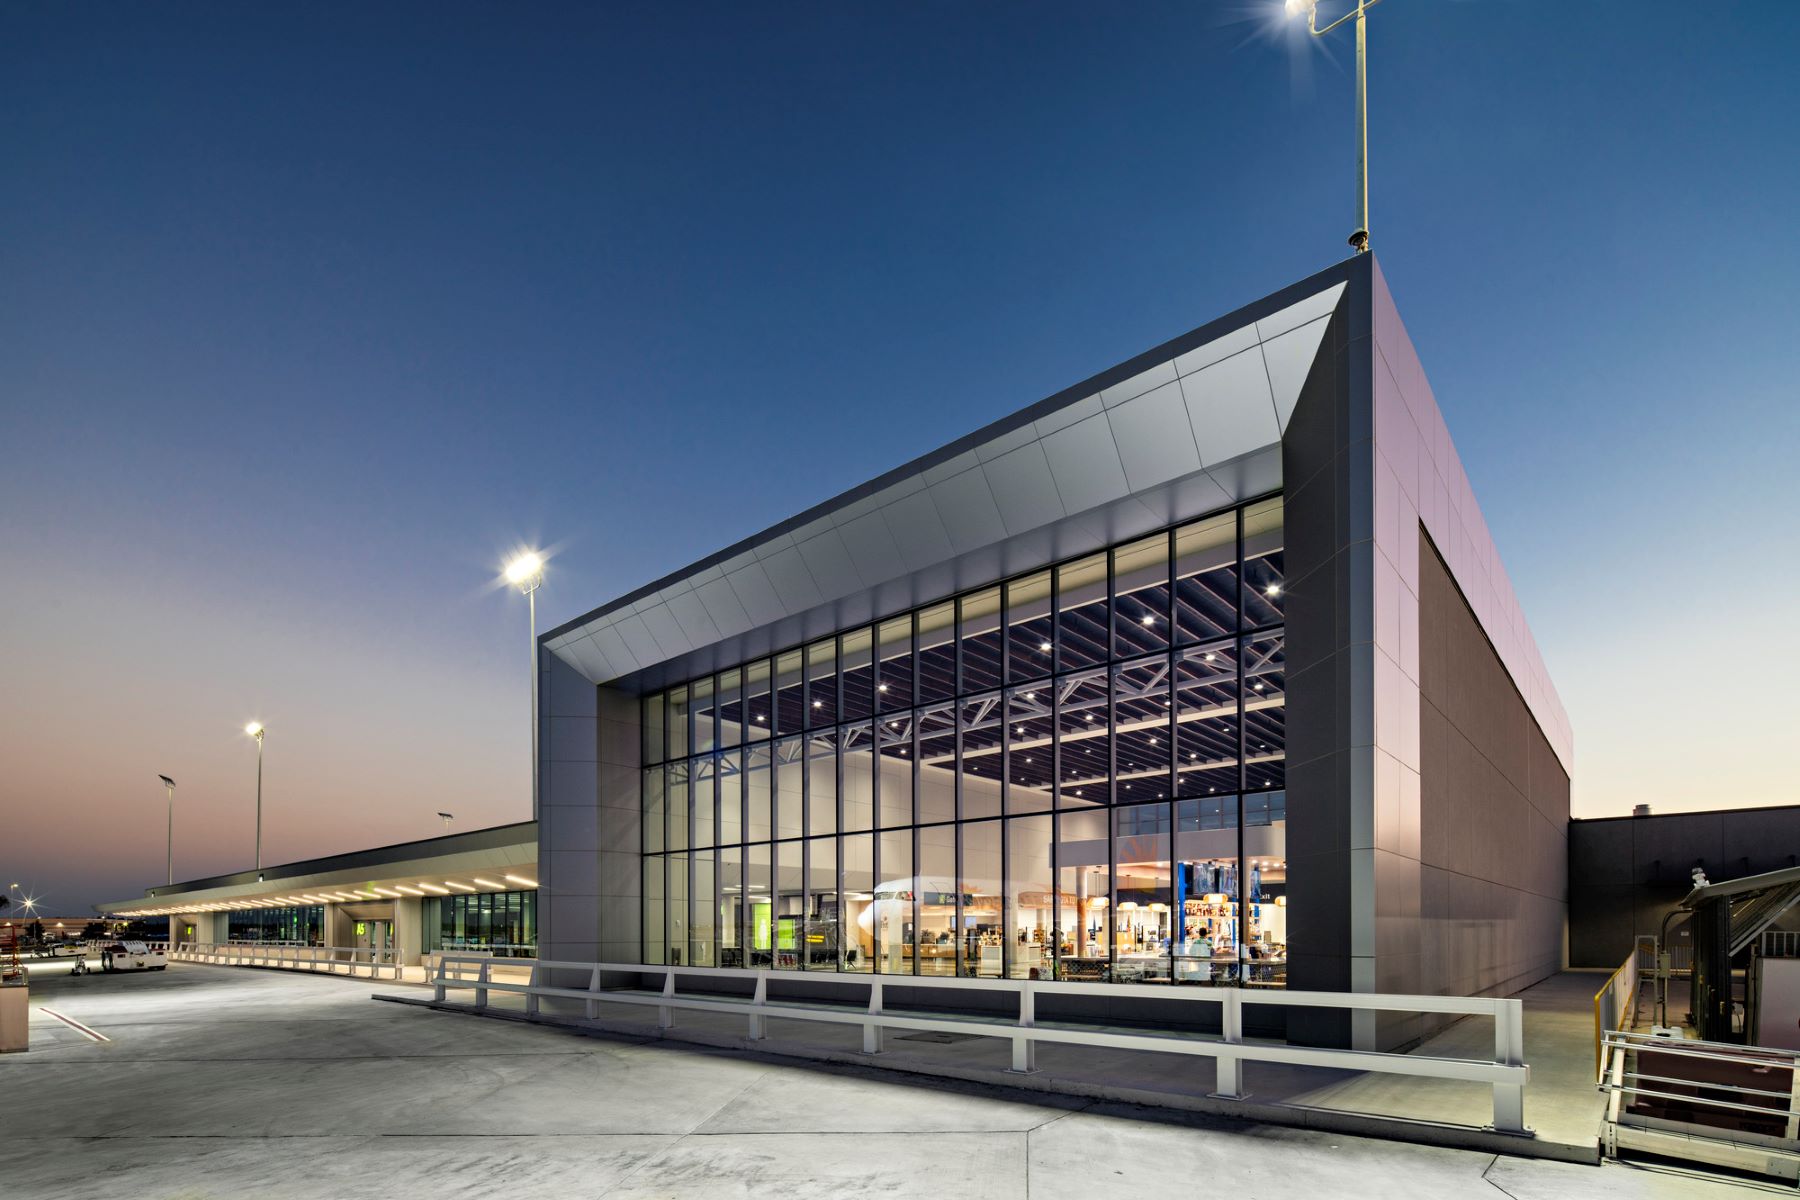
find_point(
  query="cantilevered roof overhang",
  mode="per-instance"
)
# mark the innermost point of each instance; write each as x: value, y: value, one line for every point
x: 1177, y: 432
x: 500, y: 858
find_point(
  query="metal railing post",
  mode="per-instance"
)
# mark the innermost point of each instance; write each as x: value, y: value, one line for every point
x: 437, y: 984
x: 531, y: 997
x: 1509, y: 1050
x: 757, y: 1030
x: 593, y: 1006
x: 1230, y: 1067
x: 665, y: 1016
x: 482, y: 979
x: 872, y: 1030
x: 1024, y: 1046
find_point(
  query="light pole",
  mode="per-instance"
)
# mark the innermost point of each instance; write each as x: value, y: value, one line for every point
x: 446, y: 818
x: 1359, y: 239
x: 255, y: 729
x: 526, y: 572
x: 170, y: 784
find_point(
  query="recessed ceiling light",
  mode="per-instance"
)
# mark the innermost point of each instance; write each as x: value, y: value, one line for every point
x: 882, y: 688
x: 1031, y: 695
x: 818, y: 703
x: 1149, y: 619
x: 1045, y: 647
x: 1274, y: 589
x: 1211, y: 657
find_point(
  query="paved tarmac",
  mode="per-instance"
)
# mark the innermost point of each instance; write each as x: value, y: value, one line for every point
x: 248, y: 1083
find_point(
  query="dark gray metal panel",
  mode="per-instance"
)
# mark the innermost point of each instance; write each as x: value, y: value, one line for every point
x: 1627, y: 873
x: 1321, y: 695
x: 1498, y: 855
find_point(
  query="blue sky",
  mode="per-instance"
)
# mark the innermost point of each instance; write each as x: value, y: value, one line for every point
x: 312, y: 314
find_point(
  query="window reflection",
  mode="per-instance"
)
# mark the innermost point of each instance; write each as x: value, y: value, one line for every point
x: 1029, y: 633
x: 895, y: 690
x: 821, y: 683
x: 1263, y: 578
x: 856, y: 664
x: 979, y: 626
x: 1141, y: 596
x: 1081, y: 625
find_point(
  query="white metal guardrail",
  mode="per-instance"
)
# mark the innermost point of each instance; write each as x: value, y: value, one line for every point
x: 330, y: 960
x: 1506, y: 1073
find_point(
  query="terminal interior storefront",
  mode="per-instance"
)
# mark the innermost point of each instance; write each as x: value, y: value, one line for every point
x: 1077, y: 774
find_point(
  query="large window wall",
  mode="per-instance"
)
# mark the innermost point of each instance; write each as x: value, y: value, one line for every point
x: 1075, y: 774
x: 504, y: 923
x: 301, y: 925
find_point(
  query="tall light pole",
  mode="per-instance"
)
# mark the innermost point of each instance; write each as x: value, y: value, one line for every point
x: 255, y: 729
x: 170, y: 784
x: 1359, y: 239
x: 526, y: 572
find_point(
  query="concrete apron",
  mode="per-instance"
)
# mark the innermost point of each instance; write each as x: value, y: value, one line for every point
x: 690, y: 1030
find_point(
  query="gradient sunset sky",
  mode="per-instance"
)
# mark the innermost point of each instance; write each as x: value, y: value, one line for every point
x: 312, y: 313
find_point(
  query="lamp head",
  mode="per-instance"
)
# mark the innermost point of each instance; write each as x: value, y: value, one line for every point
x: 1301, y: 8
x: 167, y: 782
x: 526, y: 571
x: 255, y: 730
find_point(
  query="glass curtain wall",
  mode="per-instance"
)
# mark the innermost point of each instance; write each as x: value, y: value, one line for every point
x: 504, y: 923
x: 1077, y: 774
x: 294, y: 925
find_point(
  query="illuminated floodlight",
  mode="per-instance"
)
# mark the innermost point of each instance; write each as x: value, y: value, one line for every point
x: 526, y: 571
x: 254, y: 729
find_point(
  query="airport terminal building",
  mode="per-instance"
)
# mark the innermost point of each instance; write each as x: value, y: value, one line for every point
x: 1204, y: 671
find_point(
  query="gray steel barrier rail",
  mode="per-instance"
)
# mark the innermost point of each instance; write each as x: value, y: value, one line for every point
x: 1507, y: 1073
x: 330, y: 960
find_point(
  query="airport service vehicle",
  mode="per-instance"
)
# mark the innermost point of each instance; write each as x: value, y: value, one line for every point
x: 131, y: 956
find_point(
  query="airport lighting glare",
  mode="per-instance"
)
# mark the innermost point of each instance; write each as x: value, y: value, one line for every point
x: 254, y: 728
x: 526, y: 572
x: 525, y: 568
